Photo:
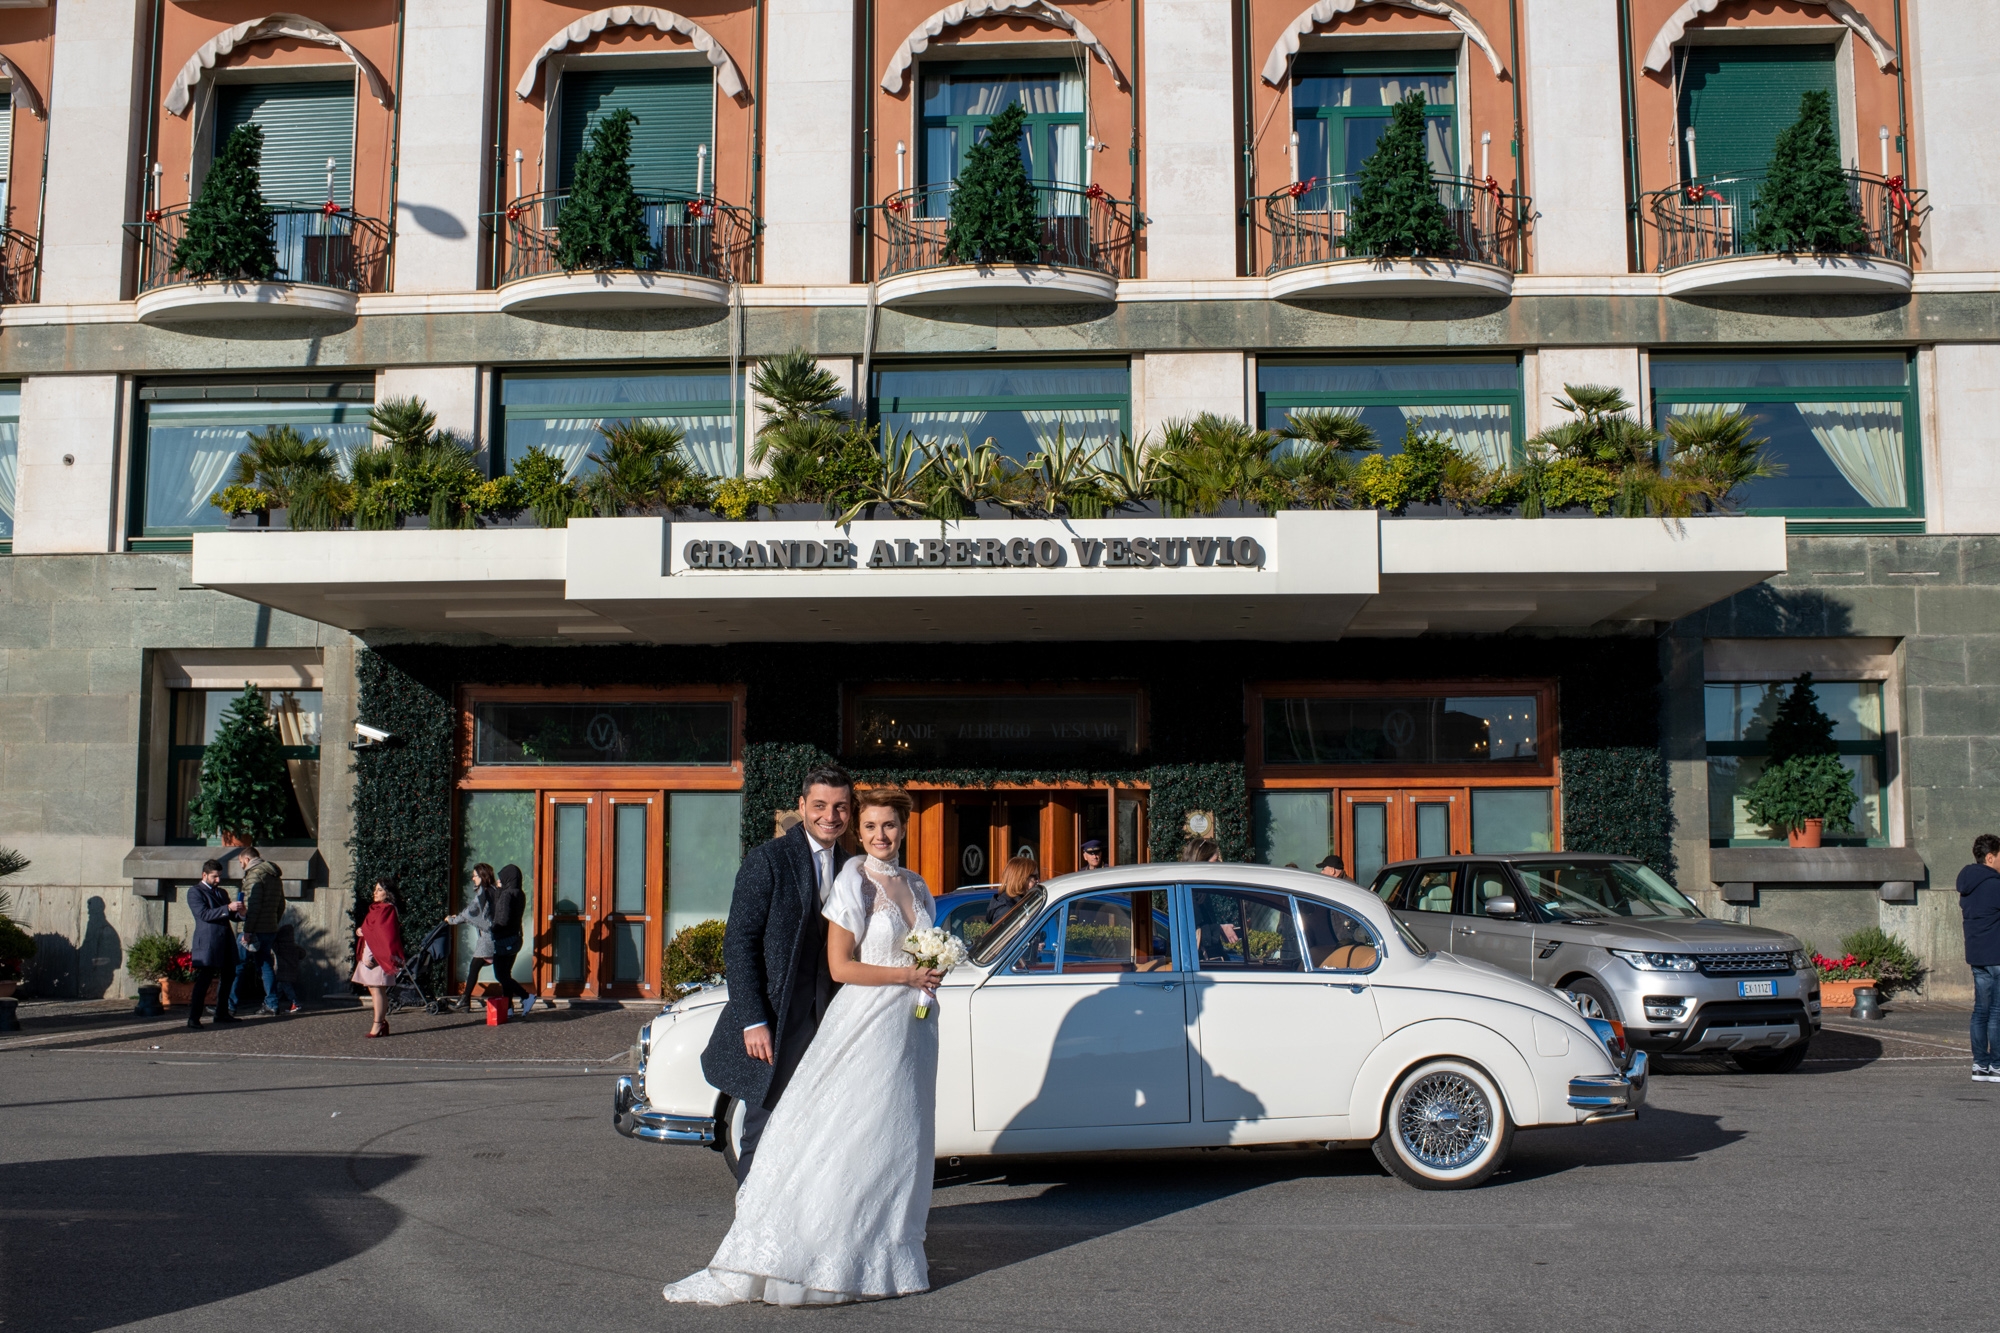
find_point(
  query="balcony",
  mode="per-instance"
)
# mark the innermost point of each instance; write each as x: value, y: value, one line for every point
x: 699, y: 246
x: 1302, y: 241
x: 1706, y: 230
x: 20, y: 267
x: 1086, y: 246
x: 326, y: 258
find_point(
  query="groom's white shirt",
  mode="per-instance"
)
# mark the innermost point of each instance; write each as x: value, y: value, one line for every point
x: 822, y: 855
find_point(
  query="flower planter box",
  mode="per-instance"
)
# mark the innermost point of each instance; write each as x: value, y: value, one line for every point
x: 272, y: 519
x: 1840, y: 994
x: 175, y: 992
x: 520, y: 518
x: 791, y: 513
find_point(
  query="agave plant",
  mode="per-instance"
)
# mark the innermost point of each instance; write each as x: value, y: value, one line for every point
x: 901, y: 483
x: 1065, y: 475
x: 1129, y: 472
x: 964, y: 474
x: 1713, y: 454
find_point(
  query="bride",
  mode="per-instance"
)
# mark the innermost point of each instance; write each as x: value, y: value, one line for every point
x: 834, y: 1207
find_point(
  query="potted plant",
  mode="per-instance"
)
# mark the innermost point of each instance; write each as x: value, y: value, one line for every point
x: 1805, y: 789
x: 161, y: 963
x: 694, y: 959
x: 1839, y: 978
x: 245, y: 791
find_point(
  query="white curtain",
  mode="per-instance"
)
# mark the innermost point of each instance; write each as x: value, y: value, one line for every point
x: 709, y: 440
x: 9, y: 463
x: 1865, y: 441
x: 1485, y: 430
x: 184, y: 466
x: 1096, y: 426
x: 1688, y: 409
x: 298, y: 728
x: 931, y: 427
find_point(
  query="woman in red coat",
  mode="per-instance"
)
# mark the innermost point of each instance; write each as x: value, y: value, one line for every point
x: 378, y: 951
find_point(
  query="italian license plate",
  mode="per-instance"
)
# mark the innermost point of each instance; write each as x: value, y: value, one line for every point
x: 1757, y: 990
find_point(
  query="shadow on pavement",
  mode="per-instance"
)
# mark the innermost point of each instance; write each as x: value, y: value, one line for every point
x: 1658, y: 1136
x: 94, y: 1242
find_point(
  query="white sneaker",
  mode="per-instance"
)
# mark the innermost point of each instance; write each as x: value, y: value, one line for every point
x: 1985, y: 1074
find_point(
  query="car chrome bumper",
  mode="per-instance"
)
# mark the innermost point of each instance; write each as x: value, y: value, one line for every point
x: 1611, y: 1096
x: 637, y: 1121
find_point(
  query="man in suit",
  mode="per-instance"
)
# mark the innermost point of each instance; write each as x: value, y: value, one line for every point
x: 775, y: 952
x: 214, y: 947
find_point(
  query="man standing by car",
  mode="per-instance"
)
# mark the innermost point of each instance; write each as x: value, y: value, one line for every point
x: 263, y: 910
x: 214, y: 947
x: 775, y: 953
x: 1979, y: 904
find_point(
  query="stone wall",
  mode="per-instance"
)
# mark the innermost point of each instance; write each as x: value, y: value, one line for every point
x: 75, y: 703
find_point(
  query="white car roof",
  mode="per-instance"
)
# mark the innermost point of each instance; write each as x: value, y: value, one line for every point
x: 1341, y: 893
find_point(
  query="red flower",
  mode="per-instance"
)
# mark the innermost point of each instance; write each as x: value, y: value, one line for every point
x: 1297, y: 188
x: 696, y: 210
x: 329, y: 208
x: 152, y: 215
x: 1096, y: 192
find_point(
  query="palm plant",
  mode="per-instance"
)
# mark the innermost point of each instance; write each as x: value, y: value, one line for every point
x: 405, y: 424
x: 1322, y: 473
x: 1713, y: 454
x: 1602, y: 434
x: 901, y: 483
x: 11, y: 863
x: 641, y: 463
x: 794, y: 390
x: 1065, y: 475
x: 1210, y: 459
x: 300, y: 475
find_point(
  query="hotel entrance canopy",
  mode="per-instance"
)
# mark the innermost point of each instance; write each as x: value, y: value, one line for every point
x: 1295, y: 575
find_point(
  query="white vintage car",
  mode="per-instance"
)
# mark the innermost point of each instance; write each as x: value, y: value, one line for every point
x: 1179, y: 1006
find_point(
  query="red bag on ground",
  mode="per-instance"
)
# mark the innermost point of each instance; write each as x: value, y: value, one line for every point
x: 497, y: 1009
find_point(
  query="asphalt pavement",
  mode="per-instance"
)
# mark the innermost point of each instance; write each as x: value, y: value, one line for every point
x: 290, y: 1173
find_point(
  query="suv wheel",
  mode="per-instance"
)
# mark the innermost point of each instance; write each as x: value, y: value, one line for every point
x: 1447, y: 1127
x: 1772, y: 1062
x: 1593, y: 1000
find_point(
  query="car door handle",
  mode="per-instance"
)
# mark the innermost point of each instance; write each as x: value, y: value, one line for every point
x: 1354, y: 986
x: 1463, y: 930
x: 1166, y: 985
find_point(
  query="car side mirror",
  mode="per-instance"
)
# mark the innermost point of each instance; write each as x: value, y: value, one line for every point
x: 1502, y: 907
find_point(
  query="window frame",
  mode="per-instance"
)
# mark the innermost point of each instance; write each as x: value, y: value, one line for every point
x: 1542, y: 771
x: 969, y: 127
x: 1806, y: 520
x: 1879, y: 749
x: 630, y: 777
x: 878, y: 405
x: 1179, y: 898
x: 1338, y: 64
x: 177, y: 753
x: 12, y: 419
x: 1514, y: 399
x: 853, y: 695
x: 500, y: 460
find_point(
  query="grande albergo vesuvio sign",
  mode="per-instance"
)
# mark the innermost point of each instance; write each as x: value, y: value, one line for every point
x: 1208, y: 552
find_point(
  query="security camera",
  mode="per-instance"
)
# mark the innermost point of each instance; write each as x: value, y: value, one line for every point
x: 370, y: 737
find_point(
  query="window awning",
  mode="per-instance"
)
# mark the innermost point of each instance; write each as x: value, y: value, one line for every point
x: 636, y: 16
x: 1661, y: 53
x: 180, y: 95
x: 1326, y: 11
x: 951, y: 16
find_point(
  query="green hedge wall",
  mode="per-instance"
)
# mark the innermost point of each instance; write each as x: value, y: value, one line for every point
x: 1615, y: 792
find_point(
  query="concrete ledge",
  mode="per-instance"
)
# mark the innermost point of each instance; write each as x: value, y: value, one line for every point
x: 1001, y: 284
x: 1753, y: 274
x: 1391, y: 277
x: 155, y: 870
x: 1815, y: 865
x: 620, y: 290
x: 243, y: 300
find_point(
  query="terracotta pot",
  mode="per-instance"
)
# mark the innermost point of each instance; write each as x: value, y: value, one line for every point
x: 1840, y: 994
x: 175, y: 992
x: 7, y: 989
x: 1807, y: 836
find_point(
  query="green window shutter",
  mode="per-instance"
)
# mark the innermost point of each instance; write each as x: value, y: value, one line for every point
x: 304, y: 124
x: 6, y: 135
x: 1738, y: 98
x: 676, y: 111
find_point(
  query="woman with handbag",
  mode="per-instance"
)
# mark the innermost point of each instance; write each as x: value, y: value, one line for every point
x: 378, y: 950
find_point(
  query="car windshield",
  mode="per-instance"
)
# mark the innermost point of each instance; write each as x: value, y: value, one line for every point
x: 1007, y: 927
x: 1572, y: 891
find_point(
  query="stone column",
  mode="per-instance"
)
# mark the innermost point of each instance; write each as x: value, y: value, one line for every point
x: 96, y: 117
x: 809, y: 153
x: 444, y: 156
x: 1190, y: 143
x: 67, y: 486
x: 1181, y: 384
x: 1576, y: 129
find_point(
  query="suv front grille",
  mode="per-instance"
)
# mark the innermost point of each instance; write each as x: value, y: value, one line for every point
x: 1775, y: 964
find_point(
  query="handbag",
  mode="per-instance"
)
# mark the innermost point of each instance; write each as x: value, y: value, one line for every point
x: 498, y: 1009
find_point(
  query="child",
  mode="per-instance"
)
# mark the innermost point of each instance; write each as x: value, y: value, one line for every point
x: 284, y: 997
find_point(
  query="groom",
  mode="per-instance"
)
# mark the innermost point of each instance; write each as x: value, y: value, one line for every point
x: 775, y: 953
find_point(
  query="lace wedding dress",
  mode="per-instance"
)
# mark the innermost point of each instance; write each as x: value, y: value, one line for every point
x: 835, y: 1204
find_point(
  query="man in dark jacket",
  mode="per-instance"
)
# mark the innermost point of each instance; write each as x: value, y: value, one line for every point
x: 1979, y: 904
x: 214, y: 947
x: 775, y: 954
x: 263, y: 912
x: 510, y: 905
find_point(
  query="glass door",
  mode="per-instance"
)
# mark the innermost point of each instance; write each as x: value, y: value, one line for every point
x: 1380, y: 826
x: 601, y: 855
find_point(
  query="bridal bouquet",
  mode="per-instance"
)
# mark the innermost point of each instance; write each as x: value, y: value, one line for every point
x: 937, y: 949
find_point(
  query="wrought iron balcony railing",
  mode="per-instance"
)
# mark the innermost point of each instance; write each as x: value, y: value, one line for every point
x: 318, y: 247
x: 1081, y: 228
x: 1715, y: 217
x: 20, y: 267
x: 692, y: 234
x: 1308, y: 221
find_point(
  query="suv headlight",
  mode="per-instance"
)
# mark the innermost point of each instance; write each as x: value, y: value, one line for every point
x: 1801, y: 960
x: 1656, y: 962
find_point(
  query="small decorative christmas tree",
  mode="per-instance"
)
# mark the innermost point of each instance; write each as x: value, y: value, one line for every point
x: 1804, y: 206
x: 603, y: 224
x: 994, y: 215
x: 228, y: 233
x: 245, y: 791
x: 1396, y: 210
x: 1803, y: 778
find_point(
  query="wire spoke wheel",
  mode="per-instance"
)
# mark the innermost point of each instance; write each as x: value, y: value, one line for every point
x: 1444, y: 1121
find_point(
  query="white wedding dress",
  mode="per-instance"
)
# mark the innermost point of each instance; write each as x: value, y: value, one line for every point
x: 835, y: 1204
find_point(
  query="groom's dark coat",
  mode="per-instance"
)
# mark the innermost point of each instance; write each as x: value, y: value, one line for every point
x: 775, y: 953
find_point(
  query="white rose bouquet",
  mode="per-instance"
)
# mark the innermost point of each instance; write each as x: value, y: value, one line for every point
x: 937, y: 949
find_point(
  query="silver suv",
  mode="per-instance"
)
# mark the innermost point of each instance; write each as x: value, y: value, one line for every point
x: 1625, y: 943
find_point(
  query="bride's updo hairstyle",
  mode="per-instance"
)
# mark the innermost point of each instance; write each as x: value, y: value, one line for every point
x: 892, y: 798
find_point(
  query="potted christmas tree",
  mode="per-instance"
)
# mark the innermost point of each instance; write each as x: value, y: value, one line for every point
x: 228, y: 232
x: 1396, y: 210
x: 245, y: 793
x: 1804, y: 206
x: 995, y: 218
x: 1805, y: 789
x: 603, y: 223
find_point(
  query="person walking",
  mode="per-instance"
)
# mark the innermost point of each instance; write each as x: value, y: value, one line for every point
x: 1979, y: 905
x: 477, y: 913
x: 263, y: 908
x: 775, y: 950
x: 378, y: 950
x: 510, y: 909
x: 214, y: 947
x: 287, y: 957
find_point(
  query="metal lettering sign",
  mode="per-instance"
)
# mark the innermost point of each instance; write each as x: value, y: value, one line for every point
x: 1205, y: 552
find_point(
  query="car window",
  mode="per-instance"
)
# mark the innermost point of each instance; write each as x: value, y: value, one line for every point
x: 1236, y: 930
x: 1483, y: 884
x: 1009, y: 927
x: 1571, y: 891
x: 1335, y: 941
x: 1110, y: 932
x: 968, y: 922
x: 1391, y: 882
x: 1430, y: 891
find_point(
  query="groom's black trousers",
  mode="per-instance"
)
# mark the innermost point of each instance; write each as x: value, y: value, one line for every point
x: 798, y: 1035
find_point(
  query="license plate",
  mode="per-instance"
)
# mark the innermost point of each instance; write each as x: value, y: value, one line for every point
x: 1757, y: 990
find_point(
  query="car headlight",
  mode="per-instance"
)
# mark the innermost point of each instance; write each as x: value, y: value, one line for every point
x: 1800, y: 960
x: 1656, y: 962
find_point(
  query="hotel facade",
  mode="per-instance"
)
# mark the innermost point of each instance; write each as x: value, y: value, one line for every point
x: 620, y: 705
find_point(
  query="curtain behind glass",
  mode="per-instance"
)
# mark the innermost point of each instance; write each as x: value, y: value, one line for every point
x: 1485, y: 431
x: 1388, y: 377
x: 1095, y: 426
x: 10, y: 454
x: 974, y: 382
x: 184, y: 466
x: 711, y: 437
x: 298, y: 728
x: 1750, y: 373
x: 1865, y: 441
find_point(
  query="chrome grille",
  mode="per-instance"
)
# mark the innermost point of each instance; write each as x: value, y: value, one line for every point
x: 1776, y: 963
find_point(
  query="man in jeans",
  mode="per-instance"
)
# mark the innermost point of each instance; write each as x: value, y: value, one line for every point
x: 263, y: 910
x: 1979, y: 903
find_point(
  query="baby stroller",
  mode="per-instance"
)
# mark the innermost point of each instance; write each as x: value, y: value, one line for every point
x: 406, y: 987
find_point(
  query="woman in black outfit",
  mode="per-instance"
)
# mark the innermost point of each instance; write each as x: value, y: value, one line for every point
x: 510, y: 907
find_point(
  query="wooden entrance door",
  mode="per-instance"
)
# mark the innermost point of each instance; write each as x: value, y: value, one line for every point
x: 964, y: 838
x: 1381, y: 825
x: 602, y: 855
